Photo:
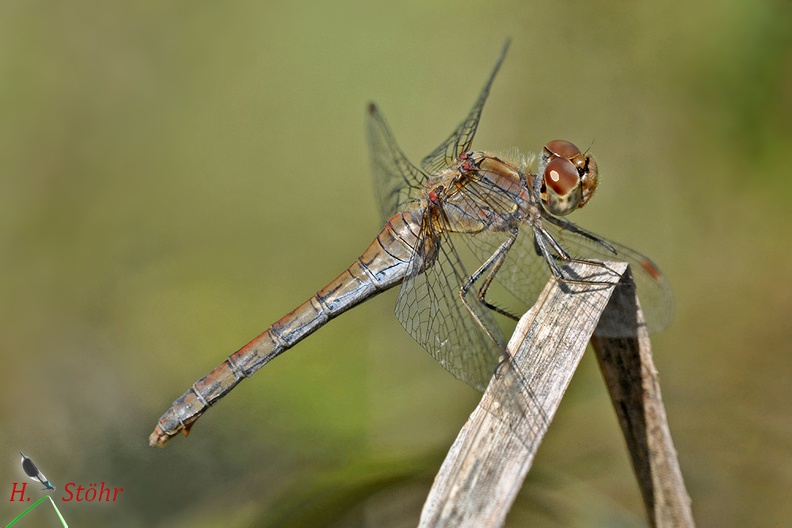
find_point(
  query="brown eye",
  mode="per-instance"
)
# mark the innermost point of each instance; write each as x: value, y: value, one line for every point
x: 561, y: 192
x: 562, y: 149
x: 561, y: 176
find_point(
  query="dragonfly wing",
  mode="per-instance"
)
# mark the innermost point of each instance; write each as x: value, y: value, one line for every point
x: 651, y: 285
x: 460, y: 140
x: 430, y: 308
x: 33, y: 472
x: 397, y: 182
x: 29, y: 467
x: 525, y: 271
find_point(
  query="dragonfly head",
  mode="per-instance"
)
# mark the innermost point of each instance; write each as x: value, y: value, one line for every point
x: 569, y: 177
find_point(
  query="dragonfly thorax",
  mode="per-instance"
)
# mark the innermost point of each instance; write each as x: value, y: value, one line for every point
x: 568, y: 177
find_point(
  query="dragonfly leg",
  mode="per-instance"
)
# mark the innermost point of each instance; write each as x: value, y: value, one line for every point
x: 555, y: 252
x: 490, y: 267
x: 517, y: 382
x: 568, y: 226
x: 550, y: 258
x: 496, y: 261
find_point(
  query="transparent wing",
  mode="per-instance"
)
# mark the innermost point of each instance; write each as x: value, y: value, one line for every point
x: 460, y: 140
x: 430, y: 308
x: 651, y: 285
x: 397, y: 182
x: 525, y: 271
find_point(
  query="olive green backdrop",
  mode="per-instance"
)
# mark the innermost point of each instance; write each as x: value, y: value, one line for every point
x: 176, y: 176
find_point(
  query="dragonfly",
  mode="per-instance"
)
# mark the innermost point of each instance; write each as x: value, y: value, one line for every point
x: 33, y: 472
x: 455, y: 225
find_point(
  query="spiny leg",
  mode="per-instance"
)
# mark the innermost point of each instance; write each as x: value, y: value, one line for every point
x: 542, y: 238
x: 497, y: 261
x: 491, y: 267
x: 572, y: 228
x: 516, y: 383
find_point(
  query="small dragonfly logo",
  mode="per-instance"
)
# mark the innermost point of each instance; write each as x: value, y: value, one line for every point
x: 33, y: 472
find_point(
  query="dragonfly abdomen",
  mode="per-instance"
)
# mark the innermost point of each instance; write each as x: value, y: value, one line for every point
x: 381, y: 266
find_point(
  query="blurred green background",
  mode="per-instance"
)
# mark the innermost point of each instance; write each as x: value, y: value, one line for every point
x: 176, y: 176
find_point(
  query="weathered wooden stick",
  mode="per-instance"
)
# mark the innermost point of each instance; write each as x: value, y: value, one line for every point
x: 630, y: 375
x: 488, y: 462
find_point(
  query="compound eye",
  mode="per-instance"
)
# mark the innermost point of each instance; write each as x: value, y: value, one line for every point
x: 562, y: 149
x: 561, y: 193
